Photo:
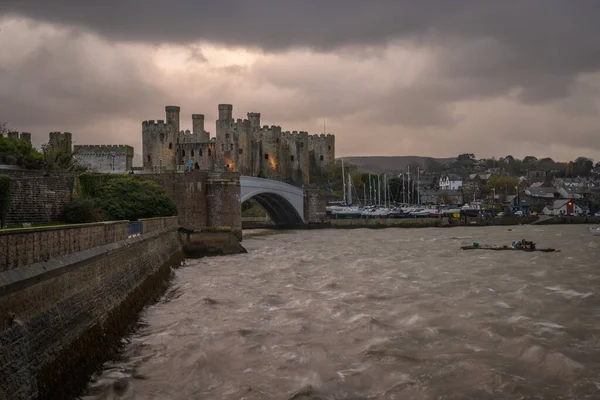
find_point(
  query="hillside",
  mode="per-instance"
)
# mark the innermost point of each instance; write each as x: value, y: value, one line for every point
x: 382, y: 164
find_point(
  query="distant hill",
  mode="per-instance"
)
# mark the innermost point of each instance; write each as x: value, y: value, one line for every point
x: 382, y: 164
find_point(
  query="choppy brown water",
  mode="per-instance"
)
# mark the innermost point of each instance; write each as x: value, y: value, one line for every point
x: 374, y: 314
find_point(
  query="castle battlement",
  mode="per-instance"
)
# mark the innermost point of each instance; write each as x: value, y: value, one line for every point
x: 14, y: 135
x: 103, y: 149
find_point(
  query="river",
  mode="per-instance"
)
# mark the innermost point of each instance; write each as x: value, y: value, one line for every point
x: 373, y: 314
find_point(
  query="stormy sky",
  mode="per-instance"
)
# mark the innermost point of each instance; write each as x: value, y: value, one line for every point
x: 390, y: 77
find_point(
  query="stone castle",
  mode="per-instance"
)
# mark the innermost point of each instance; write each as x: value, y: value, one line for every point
x: 239, y: 146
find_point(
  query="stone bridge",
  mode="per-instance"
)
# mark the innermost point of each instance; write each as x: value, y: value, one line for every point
x: 287, y: 205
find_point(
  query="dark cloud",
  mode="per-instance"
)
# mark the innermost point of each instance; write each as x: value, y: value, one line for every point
x: 537, y: 45
x: 418, y: 75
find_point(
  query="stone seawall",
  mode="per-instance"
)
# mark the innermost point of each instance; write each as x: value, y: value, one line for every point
x: 60, y: 319
x: 19, y: 247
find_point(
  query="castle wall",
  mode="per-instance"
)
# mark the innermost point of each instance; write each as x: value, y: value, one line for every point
x: 108, y: 159
x: 200, y: 155
x: 240, y: 146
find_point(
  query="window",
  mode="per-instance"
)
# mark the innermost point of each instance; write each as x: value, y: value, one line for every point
x: 266, y: 156
x: 328, y: 148
x: 231, y: 146
x: 301, y: 144
x: 182, y: 153
x: 149, y: 158
x: 222, y: 146
x: 321, y: 158
x: 240, y: 151
x: 162, y: 137
x: 170, y: 146
x: 291, y: 158
x: 200, y: 152
x: 277, y: 140
x: 192, y: 154
x: 227, y: 136
x: 196, y: 166
x: 209, y: 152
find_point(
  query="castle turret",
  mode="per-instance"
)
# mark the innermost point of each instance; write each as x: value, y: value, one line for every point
x: 26, y: 136
x: 173, y: 117
x: 225, y: 112
x: 198, y: 123
x: 254, y: 119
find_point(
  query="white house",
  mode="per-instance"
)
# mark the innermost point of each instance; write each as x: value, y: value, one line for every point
x: 562, y: 207
x: 450, y: 182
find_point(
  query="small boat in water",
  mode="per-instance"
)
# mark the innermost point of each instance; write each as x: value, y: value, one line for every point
x: 487, y: 247
x: 595, y: 231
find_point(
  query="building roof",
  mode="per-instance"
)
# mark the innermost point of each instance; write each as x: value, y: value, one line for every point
x: 540, y: 191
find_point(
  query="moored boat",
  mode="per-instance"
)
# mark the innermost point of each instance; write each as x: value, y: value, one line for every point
x: 594, y: 231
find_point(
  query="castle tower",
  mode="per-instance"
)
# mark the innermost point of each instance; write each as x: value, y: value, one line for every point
x: 225, y: 137
x: 254, y: 119
x: 198, y: 128
x: 197, y: 123
x: 173, y: 116
x: 225, y: 112
x: 159, y: 141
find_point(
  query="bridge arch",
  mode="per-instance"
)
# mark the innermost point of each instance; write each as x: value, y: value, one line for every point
x: 284, y: 203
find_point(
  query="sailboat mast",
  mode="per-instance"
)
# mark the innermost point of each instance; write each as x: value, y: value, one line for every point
x: 418, y: 185
x: 349, y: 189
x: 344, y: 181
x: 403, y: 191
x: 385, y: 191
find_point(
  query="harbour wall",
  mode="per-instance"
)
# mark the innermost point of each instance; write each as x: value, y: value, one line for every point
x: 60, y: 318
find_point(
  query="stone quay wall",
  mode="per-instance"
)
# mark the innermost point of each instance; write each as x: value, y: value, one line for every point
x: 20, y: 247
x: 39, y: 199
x: 60, y: 319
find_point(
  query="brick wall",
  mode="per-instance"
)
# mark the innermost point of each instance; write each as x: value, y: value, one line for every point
x: 70, y: 311
x: 157, y: 224
x: 19, y: 247
x: 39, y: 199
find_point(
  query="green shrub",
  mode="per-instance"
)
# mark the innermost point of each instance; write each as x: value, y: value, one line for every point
x: 5, y: 186
x: 81, y: 211
x: 131, y: 198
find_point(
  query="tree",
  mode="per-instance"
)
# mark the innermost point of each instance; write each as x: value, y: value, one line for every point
x: 4, y: 129
x: 124, y: 197
x: 432, y: 165
x: 20, y: 152
x: 502, y: 184
x: 529, y: 160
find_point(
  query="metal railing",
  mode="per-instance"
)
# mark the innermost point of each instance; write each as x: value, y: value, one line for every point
x: 135, y: 228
